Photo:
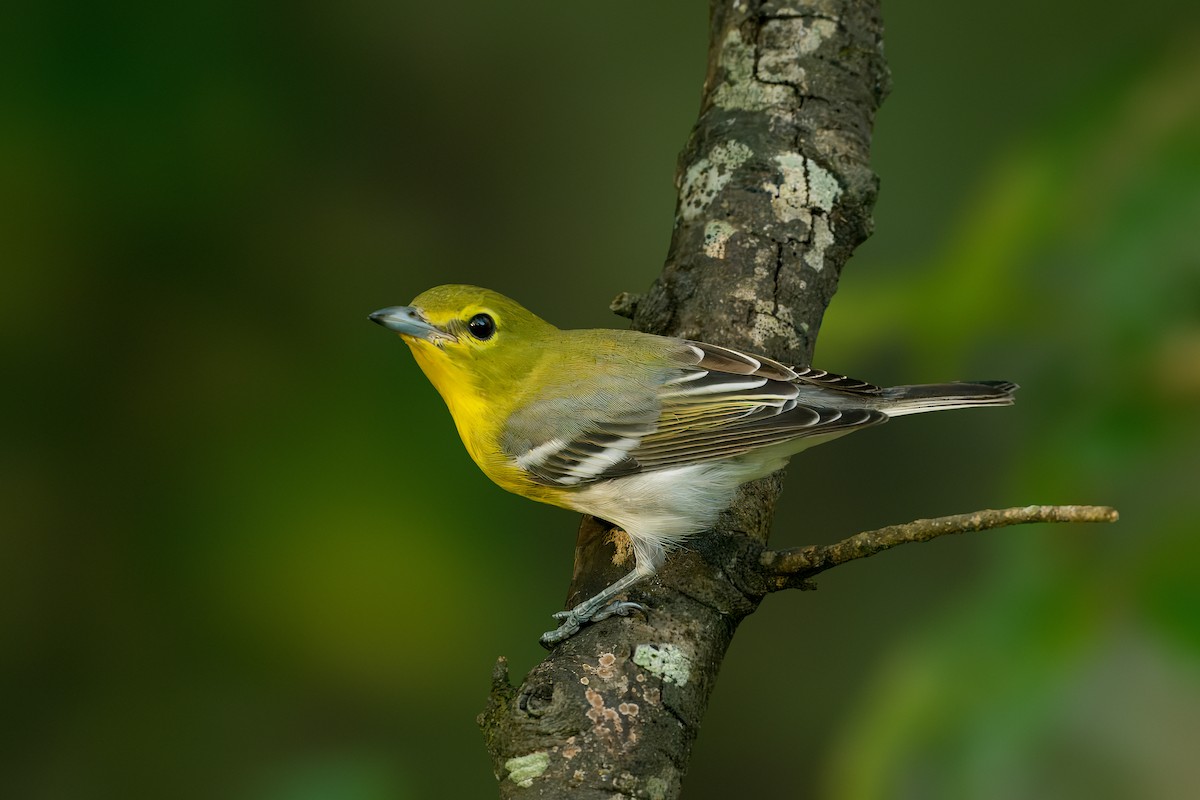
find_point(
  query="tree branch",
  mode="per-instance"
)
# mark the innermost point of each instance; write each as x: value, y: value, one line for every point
x: 784, y: 569
x: 775, y: 192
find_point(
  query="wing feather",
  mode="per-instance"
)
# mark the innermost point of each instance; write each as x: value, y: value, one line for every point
x: 842, y: 383
x: 718, y: 403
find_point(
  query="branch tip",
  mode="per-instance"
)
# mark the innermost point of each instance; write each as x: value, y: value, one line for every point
x: 782, y: 568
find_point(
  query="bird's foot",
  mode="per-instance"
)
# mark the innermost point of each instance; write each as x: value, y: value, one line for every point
x: 571, y: 621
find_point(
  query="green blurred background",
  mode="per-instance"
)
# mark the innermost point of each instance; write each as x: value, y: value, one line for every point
x: 245, y: 556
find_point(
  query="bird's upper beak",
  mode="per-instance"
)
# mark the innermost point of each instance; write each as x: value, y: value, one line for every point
x: 409, y: 321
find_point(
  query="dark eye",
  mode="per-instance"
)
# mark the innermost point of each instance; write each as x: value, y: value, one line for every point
x: 482, y: 326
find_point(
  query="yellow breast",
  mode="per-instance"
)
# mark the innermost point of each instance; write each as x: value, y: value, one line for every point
x: 480, y: 419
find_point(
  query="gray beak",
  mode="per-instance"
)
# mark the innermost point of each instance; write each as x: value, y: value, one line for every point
x: 408, y: 321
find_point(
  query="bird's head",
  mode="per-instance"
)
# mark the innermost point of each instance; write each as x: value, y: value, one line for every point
x: 465, y: 337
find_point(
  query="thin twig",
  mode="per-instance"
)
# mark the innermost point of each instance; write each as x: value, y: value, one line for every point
x: 788, y: 568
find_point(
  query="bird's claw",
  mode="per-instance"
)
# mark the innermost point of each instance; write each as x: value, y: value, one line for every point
x: 571, y: 621
x: 570, y: 626
x: 621, y: 608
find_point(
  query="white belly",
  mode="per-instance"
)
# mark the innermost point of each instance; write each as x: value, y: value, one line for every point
x: 662, y: 508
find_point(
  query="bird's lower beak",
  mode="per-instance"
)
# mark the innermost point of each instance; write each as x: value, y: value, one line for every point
x: 408, y: 321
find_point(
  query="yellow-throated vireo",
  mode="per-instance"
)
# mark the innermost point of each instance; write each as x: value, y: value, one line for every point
x: 651, y: 433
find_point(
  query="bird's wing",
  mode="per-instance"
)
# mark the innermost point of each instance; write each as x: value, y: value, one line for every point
x: 729, y: 403
x: 716, y: 403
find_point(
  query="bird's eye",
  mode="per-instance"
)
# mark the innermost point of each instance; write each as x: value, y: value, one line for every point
x: 482, y: 327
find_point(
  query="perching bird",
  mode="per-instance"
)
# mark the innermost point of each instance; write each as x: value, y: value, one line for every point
x: 651, y: 433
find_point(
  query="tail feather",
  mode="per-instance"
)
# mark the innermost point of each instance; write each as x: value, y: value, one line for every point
x: 917, y: 399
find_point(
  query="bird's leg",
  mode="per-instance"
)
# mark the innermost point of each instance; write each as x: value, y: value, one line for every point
x: 594, y: 609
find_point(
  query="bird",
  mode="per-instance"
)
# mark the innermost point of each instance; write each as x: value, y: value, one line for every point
x: 653, y: 434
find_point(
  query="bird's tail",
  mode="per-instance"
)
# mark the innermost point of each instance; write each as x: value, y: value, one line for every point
x: 901, y: 400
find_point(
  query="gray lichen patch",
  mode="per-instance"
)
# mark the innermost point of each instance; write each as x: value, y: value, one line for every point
x: 806, y: 193
x: 667, y: 661
x: 803, y: 185
x: 783, y: 43
x: 716, y: 234
x: 657, y: 788
x: 708, y: 176
x: 523, y: 769
x: 789, y: 197
x: 823, y: 188
x: 822, y: 238
x: 741, y: 89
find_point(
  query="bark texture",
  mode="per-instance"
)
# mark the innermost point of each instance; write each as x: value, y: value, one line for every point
x: 775, y: 192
